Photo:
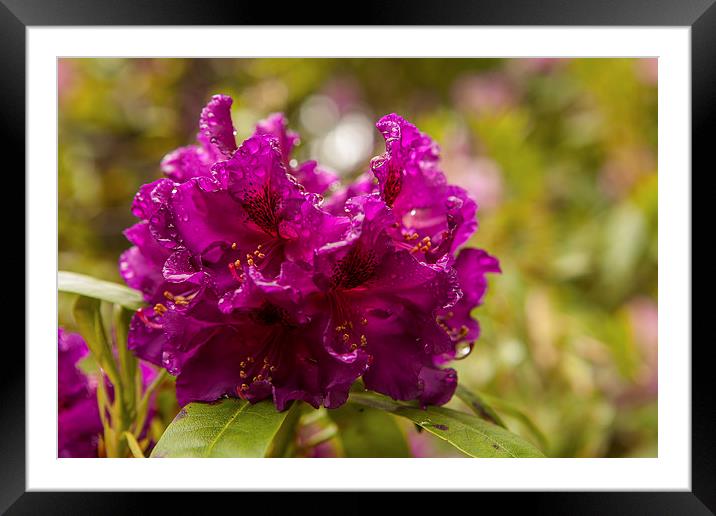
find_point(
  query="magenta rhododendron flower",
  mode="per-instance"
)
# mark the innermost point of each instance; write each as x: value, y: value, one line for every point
x: 78, y: 421
x: 260, y: 288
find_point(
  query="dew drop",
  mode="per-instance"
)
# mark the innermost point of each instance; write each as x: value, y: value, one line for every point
x: 169, y: 361
x: 463, y: 349
x: 453, y: 203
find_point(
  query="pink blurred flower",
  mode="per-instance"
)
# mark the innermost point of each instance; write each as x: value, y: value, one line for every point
x: 420, y: 445
x: 481, y: 177
x: 624, y: 168
x: 648, y: 70
x: 65, y: 77
x: 643, y: 315
x: 538, y: 65
x: 484, y: 93
x: 345, y: 92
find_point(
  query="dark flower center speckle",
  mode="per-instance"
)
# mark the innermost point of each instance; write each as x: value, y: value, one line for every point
x: 262, y: 206
x: 392, y: 187
x: 270, y: 314
x: 354, y: 269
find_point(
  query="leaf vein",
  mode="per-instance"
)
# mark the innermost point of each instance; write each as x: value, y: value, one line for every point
x: 213, y: 442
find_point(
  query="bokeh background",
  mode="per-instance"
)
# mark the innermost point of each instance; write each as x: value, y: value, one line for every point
x: 560, y: 155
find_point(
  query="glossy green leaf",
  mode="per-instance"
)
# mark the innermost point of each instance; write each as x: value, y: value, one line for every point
x: 228, y: 428
x: 83, y: 285
x: 469, y: 434
x: 88, y: 317
x: 367, y: 432
x: 284, y: 441
x: 478, y: 405
x: 128, y: 364
x: 514, y: 412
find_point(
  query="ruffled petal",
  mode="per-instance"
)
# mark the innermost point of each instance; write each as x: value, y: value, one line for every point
x: 216, y: 142
x: 409, y: 154
x: 146, y: 338
x: 216, y: 126
x: 471, y: 266
x: 201, y: 214
x: 276, y: 126
x: 181, y: 266
x: 148, y: 335
x: 396, y: 357
x: 151, y: 197
x: 287, y: 291
x: 314, y: 178
x: 363, y: 184
x: 437, y: 385
x: 182, y: 164
x: 141, y: 265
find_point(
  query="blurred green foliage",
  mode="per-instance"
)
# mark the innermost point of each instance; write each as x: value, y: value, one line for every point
x: 560, y: 154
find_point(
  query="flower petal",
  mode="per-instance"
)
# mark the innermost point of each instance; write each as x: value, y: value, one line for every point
x: 184, y: 163
x: 314, y: 178
x: 215, y: 124
x: 150, y: 198
x: 276, y: 126
x: 438, y: 385
x: 471, y: 266
x: 141, y: 265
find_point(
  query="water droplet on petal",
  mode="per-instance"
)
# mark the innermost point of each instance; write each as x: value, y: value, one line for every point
x: 453, y: 203
x: 170, y: 363
x: 463, y: 349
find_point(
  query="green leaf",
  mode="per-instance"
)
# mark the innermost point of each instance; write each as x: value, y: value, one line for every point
x: 88, y: 317
x: 479, y: 406
x: 83, y: 285
x: 469, y: 434
x: 285, y: 439
x: 512, y: 411
x: 227, y: 428
x: 128, y: 365
x: 368, y: 432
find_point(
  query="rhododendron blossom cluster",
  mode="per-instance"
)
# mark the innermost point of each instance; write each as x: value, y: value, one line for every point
x: 259, y: 287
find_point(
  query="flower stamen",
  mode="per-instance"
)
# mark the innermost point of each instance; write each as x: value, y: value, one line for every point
x: 143, y: 317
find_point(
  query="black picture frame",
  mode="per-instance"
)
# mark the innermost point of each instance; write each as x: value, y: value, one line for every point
x: 700, y: 15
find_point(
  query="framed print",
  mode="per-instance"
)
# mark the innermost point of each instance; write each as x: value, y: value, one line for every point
x: 344, y: 257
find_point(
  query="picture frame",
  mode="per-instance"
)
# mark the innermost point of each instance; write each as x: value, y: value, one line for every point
x: 16, y: 16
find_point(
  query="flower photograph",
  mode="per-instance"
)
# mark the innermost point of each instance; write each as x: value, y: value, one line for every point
x: 364, y: 257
